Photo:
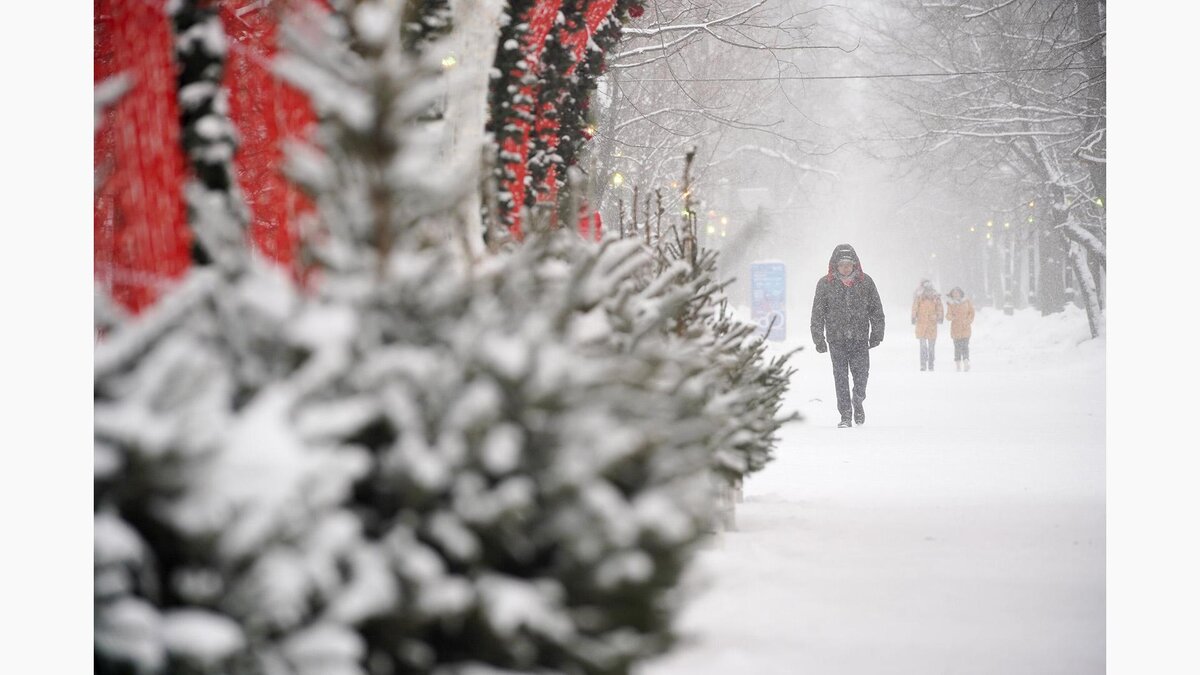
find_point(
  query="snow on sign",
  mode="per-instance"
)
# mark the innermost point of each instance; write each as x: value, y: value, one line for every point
x: 768, y: 282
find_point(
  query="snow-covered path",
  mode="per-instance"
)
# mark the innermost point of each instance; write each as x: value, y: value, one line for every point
x: 960, y: 531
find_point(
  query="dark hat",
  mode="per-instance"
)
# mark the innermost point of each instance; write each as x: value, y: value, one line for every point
x: 844, y: 252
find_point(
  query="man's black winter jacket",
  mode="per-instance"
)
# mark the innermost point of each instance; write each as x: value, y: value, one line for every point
x: 842, y: 312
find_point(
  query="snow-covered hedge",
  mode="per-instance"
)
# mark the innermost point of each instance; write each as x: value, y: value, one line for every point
x: 747, y: 387
x: 200, y: 480
x: 460, y: 469
x: 423, y: 463
x: 534, y: 491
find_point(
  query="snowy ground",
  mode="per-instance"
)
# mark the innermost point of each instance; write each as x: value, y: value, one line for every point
x: 962, y: 530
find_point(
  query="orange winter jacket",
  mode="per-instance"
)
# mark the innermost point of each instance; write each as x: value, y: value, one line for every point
x: 927, y: 313
x: 961, y: 314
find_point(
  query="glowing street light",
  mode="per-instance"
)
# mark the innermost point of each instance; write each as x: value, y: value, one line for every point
x: 1031, y: 204
x: 449, y: 61
x: 711, y: 229
x: 1030, y: 219
x: 989, y: 223
x: 617, y: 179
x: 1006, y: 226
x: 1100, y: 202
x: 724, y: 220
x: 972, y: 228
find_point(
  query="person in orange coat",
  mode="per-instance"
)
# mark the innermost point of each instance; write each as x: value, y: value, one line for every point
x: 927, y: 313
x: 961, y: 313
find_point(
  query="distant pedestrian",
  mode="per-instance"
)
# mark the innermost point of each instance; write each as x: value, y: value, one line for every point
x: 927, y: 313
x: 961, y: 313
x: 847, y: 320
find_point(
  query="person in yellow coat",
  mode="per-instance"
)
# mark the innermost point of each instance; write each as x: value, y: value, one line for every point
x: 927, y: 313
x: 961, y: 313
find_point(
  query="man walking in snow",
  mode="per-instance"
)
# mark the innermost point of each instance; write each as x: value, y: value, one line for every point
x: 847, y: 320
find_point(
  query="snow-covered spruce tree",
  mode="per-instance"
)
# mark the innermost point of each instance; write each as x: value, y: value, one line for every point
x: 753, y: 387
x: 747, y: 387
x: 200, y: 484
x: 212, y: 516
x: 208, y: 508
x: 534, y: 493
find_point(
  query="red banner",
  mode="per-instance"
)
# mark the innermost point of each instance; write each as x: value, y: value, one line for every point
x: 267, y: 113
x: 142, y: 243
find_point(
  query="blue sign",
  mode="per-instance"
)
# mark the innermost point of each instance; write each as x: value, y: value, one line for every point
x: 768, y: 308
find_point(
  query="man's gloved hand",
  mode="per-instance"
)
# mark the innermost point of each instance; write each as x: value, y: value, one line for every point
x: 874, y: 343
x: 822, y: 347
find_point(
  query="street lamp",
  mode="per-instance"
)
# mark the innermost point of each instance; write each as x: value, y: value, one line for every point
x: 617, y: 179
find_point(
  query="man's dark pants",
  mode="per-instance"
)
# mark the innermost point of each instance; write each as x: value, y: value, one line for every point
x: 850, y: 358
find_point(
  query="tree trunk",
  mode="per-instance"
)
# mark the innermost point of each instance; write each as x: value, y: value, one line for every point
x: 475, y: 28
x: 603, y: 158
x: 1097, y: 255
x: 1088, y: 291
x: 1052, y: 295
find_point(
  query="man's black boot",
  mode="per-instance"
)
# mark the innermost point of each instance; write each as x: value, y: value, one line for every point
x: 845, y: 423
x: 860, y: 415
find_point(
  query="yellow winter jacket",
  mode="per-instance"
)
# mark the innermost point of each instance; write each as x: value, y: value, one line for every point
x: 927, y: 313
x: 961, y: 314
